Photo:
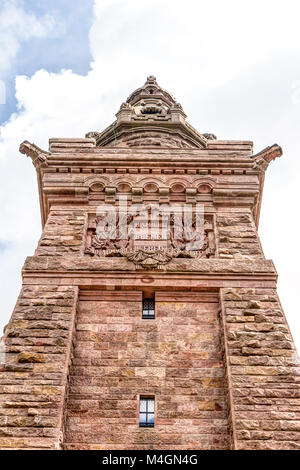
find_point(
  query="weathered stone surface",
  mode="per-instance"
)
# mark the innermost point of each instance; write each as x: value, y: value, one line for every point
x: 262, y: 372
x: 34, y: 386
x: 214, y: 265
x: 118, y: 356
x: 218, y: 357
x: 31, y: 357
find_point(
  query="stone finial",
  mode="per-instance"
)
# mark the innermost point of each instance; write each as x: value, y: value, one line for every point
x: 125, y: 106
x: 92, y: 135
x: 209, y: 136
x: 151, y: 78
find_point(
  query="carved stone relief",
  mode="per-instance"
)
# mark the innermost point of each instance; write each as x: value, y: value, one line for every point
x: 146, y: 252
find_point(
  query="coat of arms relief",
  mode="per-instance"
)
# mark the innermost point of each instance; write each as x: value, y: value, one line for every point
x: 151, y: 240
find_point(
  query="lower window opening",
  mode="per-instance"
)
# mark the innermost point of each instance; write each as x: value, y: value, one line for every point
x: 146, y: 412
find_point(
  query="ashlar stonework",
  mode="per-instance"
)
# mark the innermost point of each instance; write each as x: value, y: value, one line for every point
x: 218, y: 358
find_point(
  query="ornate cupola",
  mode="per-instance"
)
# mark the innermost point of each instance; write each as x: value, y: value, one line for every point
x: 151, y: 117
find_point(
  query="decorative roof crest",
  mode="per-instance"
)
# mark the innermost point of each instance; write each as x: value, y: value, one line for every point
x: 151, y: 89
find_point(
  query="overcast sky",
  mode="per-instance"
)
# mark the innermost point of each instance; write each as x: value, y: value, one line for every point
x: 65, y: 68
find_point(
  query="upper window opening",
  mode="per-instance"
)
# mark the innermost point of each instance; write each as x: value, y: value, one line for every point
x: 148, y: 308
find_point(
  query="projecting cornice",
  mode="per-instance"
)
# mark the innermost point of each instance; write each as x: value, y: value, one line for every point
x: 38, y: 156
x: 40, y: 160
x: 265, y: 156
x: 261, y: 163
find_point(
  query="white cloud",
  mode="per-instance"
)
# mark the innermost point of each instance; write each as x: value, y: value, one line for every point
x: 231, y: 64
x: 204, y: 42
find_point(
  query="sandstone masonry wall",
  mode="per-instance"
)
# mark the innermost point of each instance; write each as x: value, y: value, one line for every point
x: 176, y: 357
x: 264, y: 371
x: 218, y: 357
x: 63, y: 233
x: 34, y: 377
x: 238, y: 236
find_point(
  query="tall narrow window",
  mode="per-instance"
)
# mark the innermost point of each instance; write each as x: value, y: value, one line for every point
x: 147, y: 412
x: 148, y: 308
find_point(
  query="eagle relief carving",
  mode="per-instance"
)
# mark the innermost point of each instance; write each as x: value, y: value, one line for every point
x: 150, y: 244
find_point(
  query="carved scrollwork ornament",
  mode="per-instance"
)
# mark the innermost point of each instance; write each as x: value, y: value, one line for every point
x: 148, y: 253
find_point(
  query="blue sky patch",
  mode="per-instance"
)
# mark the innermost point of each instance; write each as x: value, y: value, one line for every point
x: 66, y: 47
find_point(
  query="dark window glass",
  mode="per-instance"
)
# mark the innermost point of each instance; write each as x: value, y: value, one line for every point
x: 148, y: 308
x: 147, y: 412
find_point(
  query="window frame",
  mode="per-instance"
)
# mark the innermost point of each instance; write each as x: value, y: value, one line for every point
x: 146, y: 423
x: 148, y: 316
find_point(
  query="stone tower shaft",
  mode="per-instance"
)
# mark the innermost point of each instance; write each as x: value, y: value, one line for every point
x: 218, y: 358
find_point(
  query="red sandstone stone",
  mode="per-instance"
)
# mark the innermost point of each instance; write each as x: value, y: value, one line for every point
x: 218, y: 357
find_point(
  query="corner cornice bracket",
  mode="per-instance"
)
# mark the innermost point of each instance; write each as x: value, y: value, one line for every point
x: 263, y: 158
x: 38, y: 156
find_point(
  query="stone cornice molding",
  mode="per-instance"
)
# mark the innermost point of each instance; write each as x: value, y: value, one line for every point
x: 212, y: 267
x: 261, y: 162
x: 265, y: 156
x: 38, y: 156
x: 40, y: 161
x: 129, y: 127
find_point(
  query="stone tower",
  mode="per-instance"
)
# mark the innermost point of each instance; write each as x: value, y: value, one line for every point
x: 147, y: 343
